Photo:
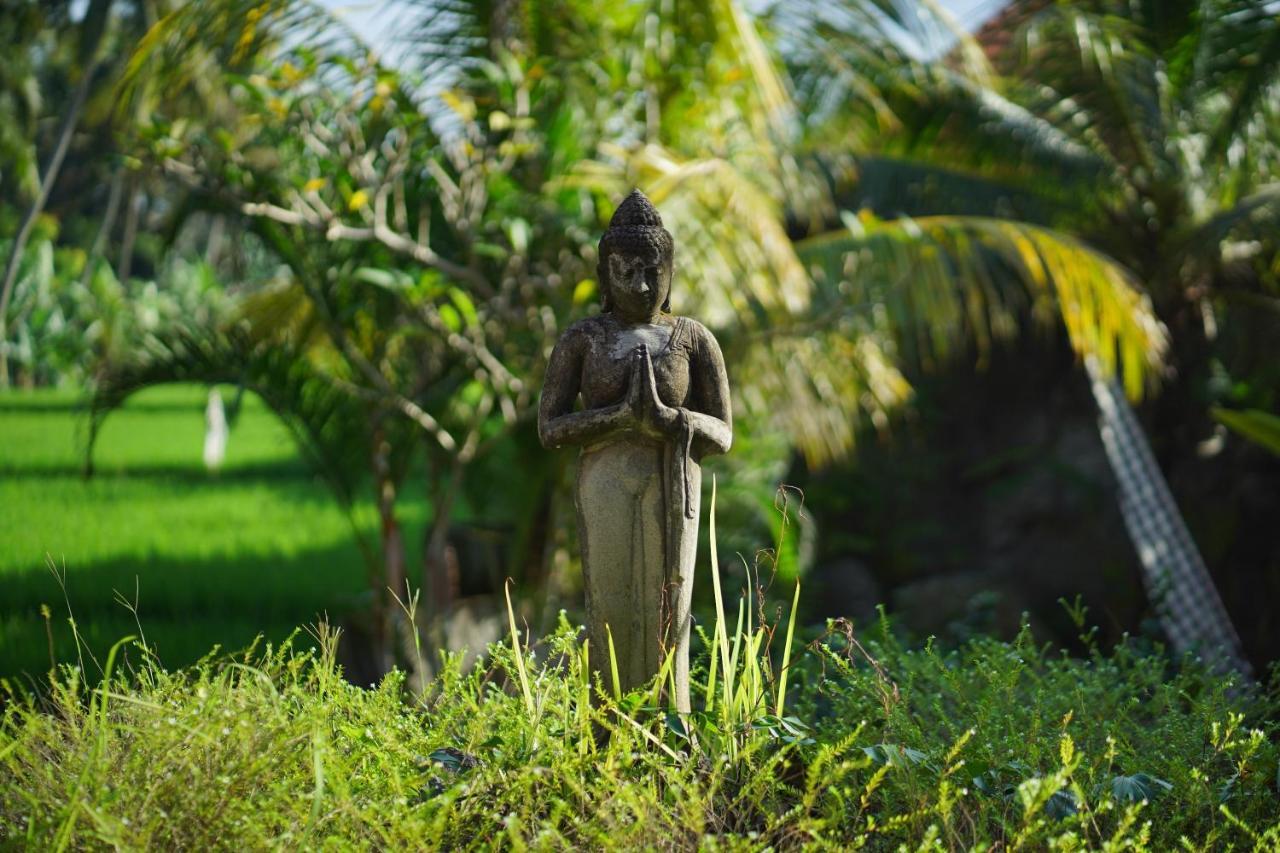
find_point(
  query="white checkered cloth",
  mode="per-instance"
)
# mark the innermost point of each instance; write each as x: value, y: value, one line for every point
x: 1190, y: 609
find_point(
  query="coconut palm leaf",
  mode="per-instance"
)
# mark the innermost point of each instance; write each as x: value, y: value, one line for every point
x: 735, y: 262
x: 816, y: 382
x: 862, y: 94
x: 1253, y: 217
x: 1106, y: 70
x: 940, y: 283
x: 329, y: 427
x: 1238, y: 56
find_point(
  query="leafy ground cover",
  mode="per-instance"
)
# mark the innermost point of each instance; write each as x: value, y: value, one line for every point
x: 257, y: 548
x: 992, y: 745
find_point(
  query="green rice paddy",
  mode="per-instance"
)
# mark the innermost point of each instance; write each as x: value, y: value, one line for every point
x: 211, y: 558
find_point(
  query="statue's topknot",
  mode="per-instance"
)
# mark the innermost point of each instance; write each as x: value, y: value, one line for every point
x: 636, y: 211
x: 636, y: 229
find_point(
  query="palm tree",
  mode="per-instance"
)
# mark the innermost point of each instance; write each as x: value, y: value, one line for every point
x: 1147, y: 131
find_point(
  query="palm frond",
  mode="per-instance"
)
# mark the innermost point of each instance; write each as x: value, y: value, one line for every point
x: 189, y: 49
x: 1254, y: 217
x: 863, y: 94
x: 735, y: 263
x: 1238, y: 56
x: 939, y: 283
x: 327, y: 423
x: 443, y: 38
x: 1104, y: 66
x: 1237, y: 98
x: 895, y: 186
x: 769, y: 93
x: 817, y: 382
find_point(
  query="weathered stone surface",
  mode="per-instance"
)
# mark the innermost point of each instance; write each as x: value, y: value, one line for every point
x: 654, y: 401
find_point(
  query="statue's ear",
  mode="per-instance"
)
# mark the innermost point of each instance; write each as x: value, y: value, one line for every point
x: 671, y: 280
x: 602, y: 281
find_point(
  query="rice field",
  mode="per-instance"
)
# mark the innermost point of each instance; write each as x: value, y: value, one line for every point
x: 209, y: 558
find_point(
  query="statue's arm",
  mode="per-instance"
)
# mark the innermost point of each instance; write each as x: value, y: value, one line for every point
x: 558, y: 424
x: 711, y: 415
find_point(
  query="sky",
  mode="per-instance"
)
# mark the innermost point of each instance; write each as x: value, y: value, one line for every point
x: 373, y: 20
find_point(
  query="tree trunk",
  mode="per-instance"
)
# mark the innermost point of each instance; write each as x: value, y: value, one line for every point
x: 386, y: 610
x: 213, y: 245
x: 70, y: 119
x: 1181, y: 589
x: 124, y: 266
x: 439, y: 568
x: 104, y: 228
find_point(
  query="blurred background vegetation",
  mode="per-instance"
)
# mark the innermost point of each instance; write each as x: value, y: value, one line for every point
x: 927, y: 235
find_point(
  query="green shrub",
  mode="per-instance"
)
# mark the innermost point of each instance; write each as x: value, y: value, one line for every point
x: 991, y: 744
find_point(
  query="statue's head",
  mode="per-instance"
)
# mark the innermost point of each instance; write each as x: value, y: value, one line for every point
x: 636, y: 261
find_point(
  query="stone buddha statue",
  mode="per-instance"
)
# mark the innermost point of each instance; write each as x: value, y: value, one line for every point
x: 655, y: 401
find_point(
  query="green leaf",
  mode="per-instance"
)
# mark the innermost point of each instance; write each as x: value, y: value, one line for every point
x: 894, y: 755
x: 939, y: 282
x: 584, y: 291
x: 1061, y: 805
x: 465, y: 306
x: 452, y: 321
x: 1138, y: 787
x: 518, y: 234
x: 388, y: 279
x: 1262, y: 428
x: 983, y: 785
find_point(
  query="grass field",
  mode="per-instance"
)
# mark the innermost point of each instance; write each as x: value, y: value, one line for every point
x: 260, y: 547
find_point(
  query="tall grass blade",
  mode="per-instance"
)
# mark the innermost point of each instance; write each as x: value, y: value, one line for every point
x: 515, y: 647
x: 613, y: 664
x: 714, y: 665
x: 666, y: 677
x: 732, y: 686
x: 721, y: 635
x: 786, y: 652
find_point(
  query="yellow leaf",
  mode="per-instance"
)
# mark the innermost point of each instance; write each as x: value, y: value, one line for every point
x: 290, y: 73
x: 464, y: 108
x: 358, y: 199
x: 314, y: 184
x: 583, y: 291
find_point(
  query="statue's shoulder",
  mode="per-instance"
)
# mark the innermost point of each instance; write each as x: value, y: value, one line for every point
x: 586, y: 330
x: 698, y: 335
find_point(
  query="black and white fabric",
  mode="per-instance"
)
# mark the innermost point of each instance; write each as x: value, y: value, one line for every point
x: 1185, y: 598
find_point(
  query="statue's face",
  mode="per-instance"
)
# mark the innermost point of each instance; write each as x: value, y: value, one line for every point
x: 638, y: 286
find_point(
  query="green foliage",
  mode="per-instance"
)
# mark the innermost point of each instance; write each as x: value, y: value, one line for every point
x: 73, y: 315
x: 1262, y: 428
x: 998, y: 744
